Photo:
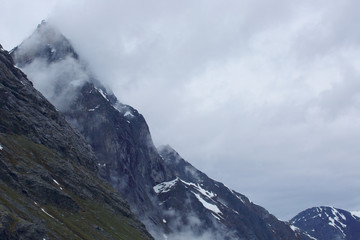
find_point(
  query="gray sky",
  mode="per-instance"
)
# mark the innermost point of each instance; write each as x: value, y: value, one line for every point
x: 261, y: 95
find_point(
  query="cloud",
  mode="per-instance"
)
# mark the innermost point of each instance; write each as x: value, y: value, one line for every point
x: 261, y: 95
x: 59, y: 82
x: 19, y: 18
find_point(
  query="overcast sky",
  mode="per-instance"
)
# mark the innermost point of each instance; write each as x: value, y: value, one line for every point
x: 261, y: 95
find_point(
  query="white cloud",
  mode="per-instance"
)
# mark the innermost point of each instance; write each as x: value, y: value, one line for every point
x: 59, y: 82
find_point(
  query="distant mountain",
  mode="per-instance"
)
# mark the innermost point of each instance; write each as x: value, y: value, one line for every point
x: 49, y: 188
x: 328, y: 223
x: 172, y: 198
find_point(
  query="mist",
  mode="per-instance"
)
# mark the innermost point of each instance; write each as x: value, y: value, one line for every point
x: 263, y: 96
x: 59, y: 82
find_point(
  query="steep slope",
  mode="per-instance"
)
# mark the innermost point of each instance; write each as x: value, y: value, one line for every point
x: 48, y: 183
x: 121, y: 140
x: 194, y: 205
x: 328, y: 223
x: 118, y: 134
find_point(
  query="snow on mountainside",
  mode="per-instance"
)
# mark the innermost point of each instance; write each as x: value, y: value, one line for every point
x: 204, y: 196
x: 328, y: 223
x: 217, y: 207
x: 356, y: 213
x: 168, y: 194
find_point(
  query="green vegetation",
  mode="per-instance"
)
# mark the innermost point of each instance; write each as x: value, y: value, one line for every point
x: 100, y: 213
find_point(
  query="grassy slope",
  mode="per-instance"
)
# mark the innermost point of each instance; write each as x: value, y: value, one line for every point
x: 95, y: 217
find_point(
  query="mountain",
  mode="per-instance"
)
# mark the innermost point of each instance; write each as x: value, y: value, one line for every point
x: 48, y: 174
x: 194, y: 193
x: 328, y: 223
x: 171, y: 197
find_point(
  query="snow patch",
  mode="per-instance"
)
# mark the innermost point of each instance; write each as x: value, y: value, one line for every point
x: 128, y: 114
x: 236, y: 195
x: 338, y: 214
x: 93, y: 109
x: 297, y: 230
x: 164, y: 221
x: 209, y: 206
x: 47, y: 213
x: 57, y: 183
x: 165, y: 186
x: 215, y: 216
x: 102, y: 93
x: 355, y: 213
x: 235, y: 211
x: 162, y: 203
x: 1, y: 147
x: 333, y: 221
x: 203, y: 191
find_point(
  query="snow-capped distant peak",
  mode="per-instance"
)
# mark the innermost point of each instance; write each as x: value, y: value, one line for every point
x: 328, y: 223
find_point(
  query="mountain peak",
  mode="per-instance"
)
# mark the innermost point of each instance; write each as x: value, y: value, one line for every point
x: 328, y: 223
x: 47, y: 43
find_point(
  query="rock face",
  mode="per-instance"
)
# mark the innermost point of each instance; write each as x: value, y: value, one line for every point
x: 328, y: 223
x: 49, y: 188
x: 121, y: 140
x: 169, y: 195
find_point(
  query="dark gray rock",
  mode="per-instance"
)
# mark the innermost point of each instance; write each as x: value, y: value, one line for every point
x: 49, y: 187
x: 37, y: 118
